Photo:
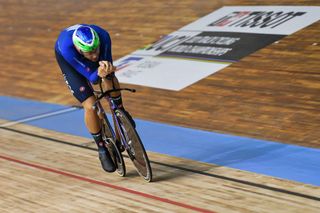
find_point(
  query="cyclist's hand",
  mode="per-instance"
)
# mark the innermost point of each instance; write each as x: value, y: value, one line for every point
x: 105, y: 68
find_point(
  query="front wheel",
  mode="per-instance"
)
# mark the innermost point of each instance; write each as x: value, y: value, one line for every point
x: 134, y: 146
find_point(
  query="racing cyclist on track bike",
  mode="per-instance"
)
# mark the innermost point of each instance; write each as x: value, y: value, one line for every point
x: 83, y: 53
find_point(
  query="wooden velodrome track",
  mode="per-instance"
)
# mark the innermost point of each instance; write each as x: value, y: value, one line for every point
x: 272, y: 94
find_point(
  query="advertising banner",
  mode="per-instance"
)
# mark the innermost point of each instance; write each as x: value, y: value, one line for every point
x: 211, y: 43
x: 279, y: 20
x: 166, y: 73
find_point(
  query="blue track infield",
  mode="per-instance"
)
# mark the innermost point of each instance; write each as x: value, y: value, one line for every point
x: 280, y: 160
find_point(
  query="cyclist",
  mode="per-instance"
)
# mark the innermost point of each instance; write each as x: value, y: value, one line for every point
x: 83, y: 53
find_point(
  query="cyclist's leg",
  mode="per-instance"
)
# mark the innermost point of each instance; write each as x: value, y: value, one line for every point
x: 82, y: 91
x: 90, y: 115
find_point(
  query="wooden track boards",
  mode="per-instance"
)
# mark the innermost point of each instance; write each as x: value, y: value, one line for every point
x: 25, y: 188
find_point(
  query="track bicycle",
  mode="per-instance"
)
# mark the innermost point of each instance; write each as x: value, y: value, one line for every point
x: 128, y: 138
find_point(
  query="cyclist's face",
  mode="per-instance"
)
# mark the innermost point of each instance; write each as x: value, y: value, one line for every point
x: 93, y: 55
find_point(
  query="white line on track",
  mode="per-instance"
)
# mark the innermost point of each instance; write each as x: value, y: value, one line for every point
x: 39, y: 117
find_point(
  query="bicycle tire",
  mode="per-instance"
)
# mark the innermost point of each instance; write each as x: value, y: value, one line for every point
x: 115, y: 153
x: 135, y: 148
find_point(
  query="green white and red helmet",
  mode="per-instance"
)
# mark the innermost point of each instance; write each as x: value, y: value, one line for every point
x: 86, y: 39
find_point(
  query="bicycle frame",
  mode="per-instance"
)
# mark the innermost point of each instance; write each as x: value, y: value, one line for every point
x: 120, y: 131
x: 113, y: 108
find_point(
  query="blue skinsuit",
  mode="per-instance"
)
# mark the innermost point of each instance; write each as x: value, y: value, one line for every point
x: 76, y: 69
